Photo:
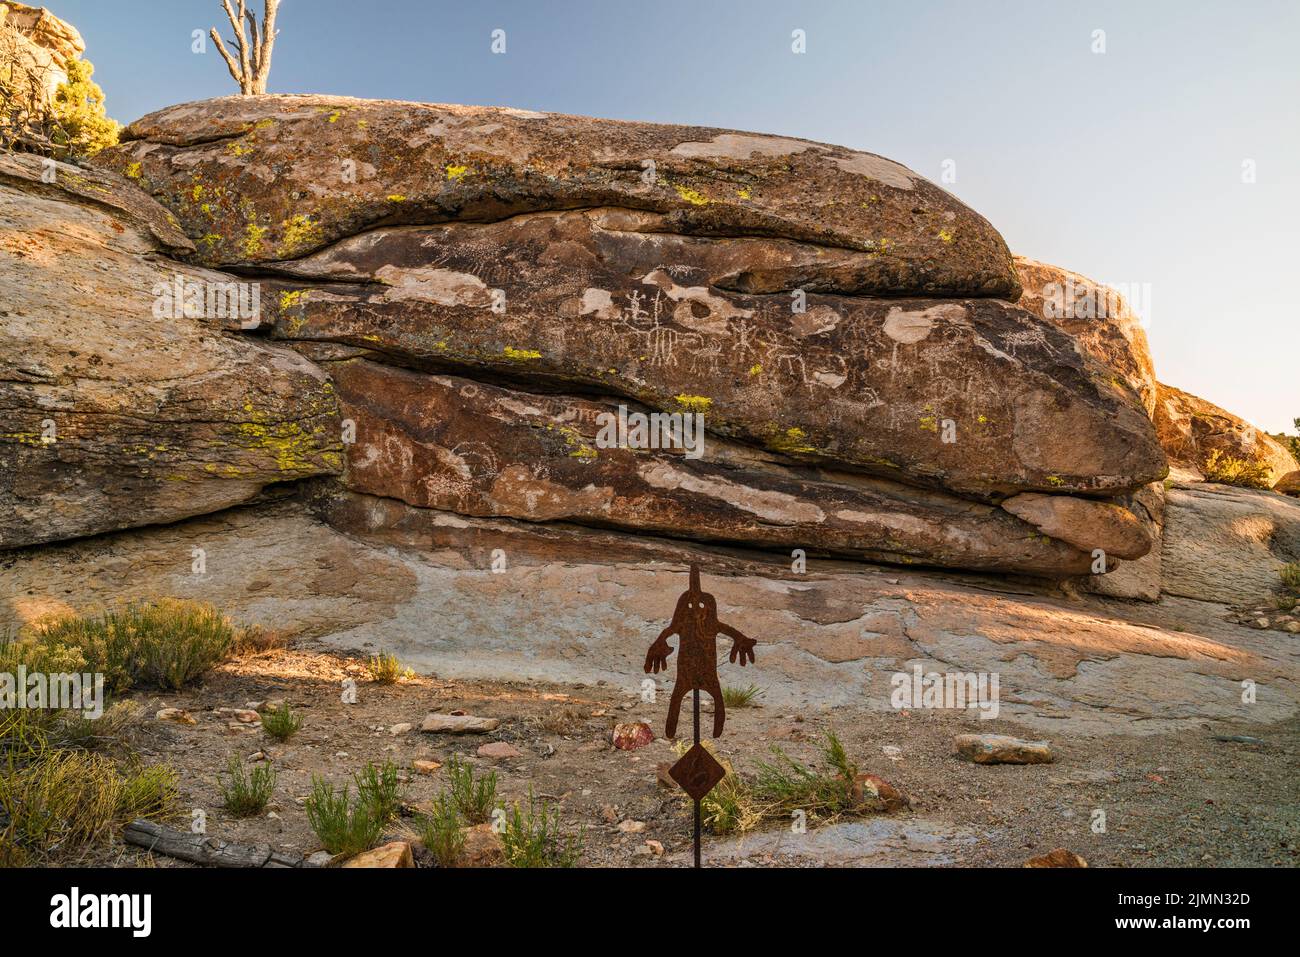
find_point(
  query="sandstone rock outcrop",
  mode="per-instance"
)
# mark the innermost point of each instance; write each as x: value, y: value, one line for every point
x: 477, y: 449
x: 114, y: 415
x: 1097, y: 316
x: 874, y: 384
x: 1191, y: 428
x: 43, y: 43
x: 278, y: 177
x: 565, y: 266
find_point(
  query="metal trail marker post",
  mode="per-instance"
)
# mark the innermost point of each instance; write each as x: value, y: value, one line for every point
x: 695, y: 622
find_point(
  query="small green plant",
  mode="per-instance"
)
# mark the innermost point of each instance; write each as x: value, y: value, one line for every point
x: 385, y: 669
x: 741, y: 697
x: 1228, y: 470
x: 440, y: 831
x: 532, y: 838
x: 380, y: 789
x: 1290, y: 574
x: 475, y: 797
x: 246, y: 791
x: 342, y: 826
x: 281, y: 723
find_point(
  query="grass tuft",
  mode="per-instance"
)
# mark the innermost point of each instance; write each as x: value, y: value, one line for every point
x: 281, y: 723
x: 532, y: 837
x: 440, y: 831
x: 385, y: 669
x: 342, y: 826
x: 474, y: 796
x: 741, y: 697
x: 246, y: 791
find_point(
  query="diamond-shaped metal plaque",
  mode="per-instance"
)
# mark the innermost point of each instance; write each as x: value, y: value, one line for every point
x: 698, y: 772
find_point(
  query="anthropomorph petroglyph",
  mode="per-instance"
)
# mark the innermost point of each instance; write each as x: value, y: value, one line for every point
x: 695, y: 622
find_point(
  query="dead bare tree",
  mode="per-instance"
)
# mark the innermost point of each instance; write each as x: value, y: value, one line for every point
x: 253, y: 43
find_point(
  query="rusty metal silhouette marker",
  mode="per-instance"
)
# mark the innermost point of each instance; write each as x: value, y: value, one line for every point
x: 695, y: 622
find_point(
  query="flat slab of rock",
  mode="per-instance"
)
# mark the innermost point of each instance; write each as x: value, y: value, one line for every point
x: 281, y: 176
x: 1002, y: 749
x: 499, y: 751
x: 458, y: 724
x: 1228, y: 544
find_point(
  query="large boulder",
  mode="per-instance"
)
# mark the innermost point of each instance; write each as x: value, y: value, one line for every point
x: 478, y: 449
x: 119, y: 409
x: 277, y: 177
x: 973, y: 395
x: 1192, y: 429
x: 1097, y: 316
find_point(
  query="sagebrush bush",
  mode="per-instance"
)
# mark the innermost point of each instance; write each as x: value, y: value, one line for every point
x: 475, y: 797
x: 379, y: 788
x: 63, y: 799
x: 281, y: 723
x: 164, y: 644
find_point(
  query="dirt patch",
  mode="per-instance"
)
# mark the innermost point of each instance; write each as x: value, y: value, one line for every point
x: 1182, y: 799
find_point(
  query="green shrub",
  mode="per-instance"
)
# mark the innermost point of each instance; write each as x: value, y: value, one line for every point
x: 63, y: 799
x: 475, y: 797
x: 1233, y: 471
x: 246, y: 791
x: 165, y: 644
x: 440, y: 831
x: 532, y: 838
x: 281, y: 723
x: 83, y: 128
x: 379, y: 788
x: 385, y: 669
x: 1290, y: 575
x: 786, y: 785
x: 341, y: 826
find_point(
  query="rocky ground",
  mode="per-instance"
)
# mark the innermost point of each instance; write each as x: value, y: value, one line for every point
x: 1179, y: 799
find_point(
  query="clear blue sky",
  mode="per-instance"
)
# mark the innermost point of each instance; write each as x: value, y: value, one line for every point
x: 1125, y: 166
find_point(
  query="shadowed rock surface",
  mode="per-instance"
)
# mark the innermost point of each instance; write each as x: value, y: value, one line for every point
x: 477, y: 449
